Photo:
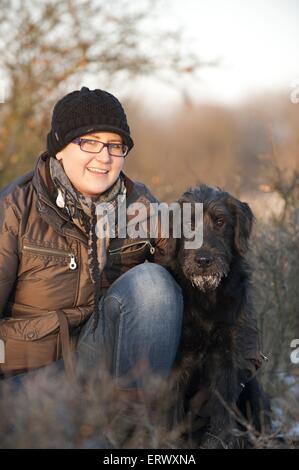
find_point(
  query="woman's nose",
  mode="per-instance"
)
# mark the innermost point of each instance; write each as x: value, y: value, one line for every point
x: 103, y: 156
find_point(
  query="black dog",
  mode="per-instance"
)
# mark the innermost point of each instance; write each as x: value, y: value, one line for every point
x: 219, y: 350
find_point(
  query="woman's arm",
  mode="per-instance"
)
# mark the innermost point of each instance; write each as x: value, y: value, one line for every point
x: 9, y: 259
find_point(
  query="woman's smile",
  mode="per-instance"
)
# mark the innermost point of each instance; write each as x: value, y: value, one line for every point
x: 97, y: 171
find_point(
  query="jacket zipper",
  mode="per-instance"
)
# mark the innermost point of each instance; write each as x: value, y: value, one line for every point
x: 78, y: 277
x: 143, y: 244
x: 61, y: 215
x: 52, y: 251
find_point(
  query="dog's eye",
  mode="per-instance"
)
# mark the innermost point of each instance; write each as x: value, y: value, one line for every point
x: 219, y: 221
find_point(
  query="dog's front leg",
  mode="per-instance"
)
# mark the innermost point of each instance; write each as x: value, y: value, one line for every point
x: 180, y: 378
x: 222, y: 408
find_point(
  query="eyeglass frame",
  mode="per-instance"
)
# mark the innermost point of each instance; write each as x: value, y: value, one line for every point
x: 79, y: 140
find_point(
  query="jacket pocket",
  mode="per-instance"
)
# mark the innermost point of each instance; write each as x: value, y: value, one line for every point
x: 46, y: 251
x: 131, y: 248
x: 29, y: 343
x: 124, y: 257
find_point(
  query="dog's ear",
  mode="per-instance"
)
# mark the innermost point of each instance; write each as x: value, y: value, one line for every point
x: 243, y: 224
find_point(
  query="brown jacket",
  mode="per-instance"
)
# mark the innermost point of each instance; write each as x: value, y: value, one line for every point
x: 40, y: 294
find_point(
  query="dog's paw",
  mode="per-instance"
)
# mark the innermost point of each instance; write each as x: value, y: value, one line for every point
x: 212, y: 442
x: 220, y: 441
x: 219, y: 434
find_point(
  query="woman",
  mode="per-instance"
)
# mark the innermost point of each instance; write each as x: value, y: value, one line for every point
x: 63, y: 286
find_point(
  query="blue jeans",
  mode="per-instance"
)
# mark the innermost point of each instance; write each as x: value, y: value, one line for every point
x: 140, y: 320
x: 139, y: 327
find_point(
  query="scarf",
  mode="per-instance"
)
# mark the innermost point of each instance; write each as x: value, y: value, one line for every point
x: 85, y: 212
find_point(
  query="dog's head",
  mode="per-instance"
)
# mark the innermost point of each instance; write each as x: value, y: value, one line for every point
x: 227, y: 225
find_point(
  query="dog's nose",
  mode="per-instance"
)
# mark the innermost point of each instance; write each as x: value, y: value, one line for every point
x: 204, y: 260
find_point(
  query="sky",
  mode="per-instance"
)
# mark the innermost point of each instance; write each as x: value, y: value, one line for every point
x: 256, y: 42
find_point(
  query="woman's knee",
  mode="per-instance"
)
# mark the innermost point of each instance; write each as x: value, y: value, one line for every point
x: 150, y: 287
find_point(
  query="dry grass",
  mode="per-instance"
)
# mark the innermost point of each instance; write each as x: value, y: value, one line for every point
x: 49, y: 412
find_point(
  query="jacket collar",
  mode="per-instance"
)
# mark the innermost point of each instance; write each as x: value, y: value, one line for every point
x: 46, y: 193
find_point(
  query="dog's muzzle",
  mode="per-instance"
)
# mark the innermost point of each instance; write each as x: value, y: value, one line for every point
x: 206, y: 282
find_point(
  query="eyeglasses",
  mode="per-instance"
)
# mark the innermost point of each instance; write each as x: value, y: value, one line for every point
x: 96, y: 146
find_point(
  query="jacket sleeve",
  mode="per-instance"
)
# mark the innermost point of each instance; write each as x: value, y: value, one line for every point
x: 9, y: 259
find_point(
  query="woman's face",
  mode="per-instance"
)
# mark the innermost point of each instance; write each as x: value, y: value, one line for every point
x: 80, y: 167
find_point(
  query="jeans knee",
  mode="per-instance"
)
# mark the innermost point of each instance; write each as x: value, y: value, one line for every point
x: 150, y: 289
x: 148, y: 281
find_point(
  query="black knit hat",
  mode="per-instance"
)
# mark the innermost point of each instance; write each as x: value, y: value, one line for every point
x: 85, y: 111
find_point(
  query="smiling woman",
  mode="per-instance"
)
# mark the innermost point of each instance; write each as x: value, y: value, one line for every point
x: 95, y: 163
x: 61, y: 282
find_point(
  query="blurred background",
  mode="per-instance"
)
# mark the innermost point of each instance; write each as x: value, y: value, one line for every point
x: 211, y: 91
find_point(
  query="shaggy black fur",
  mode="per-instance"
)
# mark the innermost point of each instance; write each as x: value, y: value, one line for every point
x: 219, y: 351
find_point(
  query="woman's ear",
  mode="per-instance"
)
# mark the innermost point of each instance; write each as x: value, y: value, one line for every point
x: 59, y: 156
